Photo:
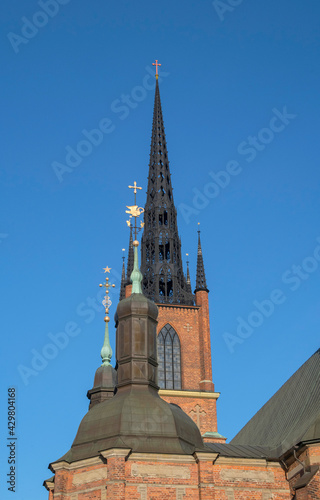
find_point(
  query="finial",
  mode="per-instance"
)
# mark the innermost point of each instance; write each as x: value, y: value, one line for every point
x: 123, y: 256
x: 135, y: 212
x: 156, y: 64
x: 106, y: 351
x: 199, y: 242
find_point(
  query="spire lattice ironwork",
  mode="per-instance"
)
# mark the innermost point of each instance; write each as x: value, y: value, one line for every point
x: 201, y: 283
x: 161, y: 262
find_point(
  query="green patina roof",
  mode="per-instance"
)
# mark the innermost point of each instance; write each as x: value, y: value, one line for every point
x: 291, y: 416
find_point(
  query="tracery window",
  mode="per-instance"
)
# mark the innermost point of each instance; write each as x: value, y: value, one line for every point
x: 169, y: 359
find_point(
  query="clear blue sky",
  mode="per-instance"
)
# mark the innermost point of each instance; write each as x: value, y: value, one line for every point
x: 231, y: 76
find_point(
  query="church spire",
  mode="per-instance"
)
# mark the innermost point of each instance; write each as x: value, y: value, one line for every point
x: 105, y: 377
x: 130, y: 258
x: 201, y: 283
x: 123, y: 279
x: 161, y: 263
x: 188, y: 276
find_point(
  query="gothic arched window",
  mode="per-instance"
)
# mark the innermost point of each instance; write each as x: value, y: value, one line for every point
x: 169, y: 359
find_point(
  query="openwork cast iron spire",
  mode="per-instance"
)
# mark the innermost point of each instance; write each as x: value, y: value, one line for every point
x: 161, y: 263
x: 201, y: 283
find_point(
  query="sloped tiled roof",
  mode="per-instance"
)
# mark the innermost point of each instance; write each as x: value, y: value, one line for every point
x: 291, y: 416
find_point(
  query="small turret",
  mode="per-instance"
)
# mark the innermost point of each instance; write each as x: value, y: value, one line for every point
x: 105, y: 378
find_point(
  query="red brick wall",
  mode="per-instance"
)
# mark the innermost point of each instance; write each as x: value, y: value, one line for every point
x: 239, y: 481
x: 202, y: 411
x: 182, y: 319
x: 204, y: 341
x: 192, y: 325
x: 68, y: 482
x: 191, y: 478
x: 193, y: 329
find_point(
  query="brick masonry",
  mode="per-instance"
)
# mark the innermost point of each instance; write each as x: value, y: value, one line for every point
x: 122, y: 475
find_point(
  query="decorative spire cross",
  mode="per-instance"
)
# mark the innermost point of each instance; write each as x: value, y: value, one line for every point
x: 107, y: 302
x: 135, y: 211
x: 156, y: 64
x: 106, y: 351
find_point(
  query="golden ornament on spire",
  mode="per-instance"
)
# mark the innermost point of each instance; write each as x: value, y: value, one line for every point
x: 107, y: 301
x: 135, y: 211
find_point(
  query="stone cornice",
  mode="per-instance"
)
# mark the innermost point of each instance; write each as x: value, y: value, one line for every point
x: 75, y: 465
x: 49, y: 485
x: 201, y: 456
x: 178, y: 306
x: 153, y: 457
x: 189, y: 394
x: 116, y: 452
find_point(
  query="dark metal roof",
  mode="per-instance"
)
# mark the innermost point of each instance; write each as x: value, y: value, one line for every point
x: 291, y: 416
x: 240, y: 451
x: 139, y: 419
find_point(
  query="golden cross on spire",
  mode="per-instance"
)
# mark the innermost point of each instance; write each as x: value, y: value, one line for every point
x: 107, y: 302
x: 156, y: 64
x: 135, y: 187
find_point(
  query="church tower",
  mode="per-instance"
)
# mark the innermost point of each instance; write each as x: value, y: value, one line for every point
x: 183, y: 334
x: 151, y: 428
